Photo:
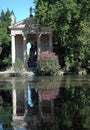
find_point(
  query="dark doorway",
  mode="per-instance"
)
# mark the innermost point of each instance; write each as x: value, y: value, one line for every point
x: 32, y: 55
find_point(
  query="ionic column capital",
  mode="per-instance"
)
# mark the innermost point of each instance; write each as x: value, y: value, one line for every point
x: 12, y: 35
x: 24, y: 36
x: 38, y: 35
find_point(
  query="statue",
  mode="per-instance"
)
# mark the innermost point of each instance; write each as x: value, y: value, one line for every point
x: 32, y: 52
x: 12, y: 19
x: 31, y: 12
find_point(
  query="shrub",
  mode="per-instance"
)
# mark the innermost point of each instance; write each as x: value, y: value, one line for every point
x: 48, y: 63
x: 70, y: 63
x: 18, y: 66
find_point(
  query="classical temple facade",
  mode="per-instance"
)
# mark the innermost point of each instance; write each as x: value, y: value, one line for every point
x: 27, y: 31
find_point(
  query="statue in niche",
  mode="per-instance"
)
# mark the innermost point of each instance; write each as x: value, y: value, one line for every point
x: 32, y: 56
x: 32, y: 52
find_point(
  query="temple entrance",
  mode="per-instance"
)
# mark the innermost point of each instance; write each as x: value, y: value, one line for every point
x: 31, y: 50
x: 32, y: 56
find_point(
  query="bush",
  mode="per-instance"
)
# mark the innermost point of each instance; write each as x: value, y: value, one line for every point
x: 48, y: 63
x: 18, y: 66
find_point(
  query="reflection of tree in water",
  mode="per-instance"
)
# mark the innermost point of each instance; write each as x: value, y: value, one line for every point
x: 6, y: 97
x: 72, y: 109
x: 5, y: 108
x: 71, y: 106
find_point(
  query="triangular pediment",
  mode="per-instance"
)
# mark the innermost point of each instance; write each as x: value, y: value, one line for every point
x: 26, y: 23
x: 29, y: 25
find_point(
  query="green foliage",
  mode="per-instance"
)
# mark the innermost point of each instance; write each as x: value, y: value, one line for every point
x: 70, y: 63
x: 48, y: 63
x: 18, y: 66
x: 70, y: 22
x: 5, y: 44
x: 5, y: 114
x: 42, y: 13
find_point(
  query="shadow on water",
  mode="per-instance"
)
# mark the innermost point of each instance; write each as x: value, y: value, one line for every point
x: 45, y: 103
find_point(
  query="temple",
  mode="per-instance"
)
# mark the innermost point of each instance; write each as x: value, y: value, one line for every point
x: 28, y: 36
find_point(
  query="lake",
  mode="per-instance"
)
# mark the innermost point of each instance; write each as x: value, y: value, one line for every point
x: 45, y: 103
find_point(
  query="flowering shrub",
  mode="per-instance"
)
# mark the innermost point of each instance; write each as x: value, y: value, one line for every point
x: 48, y: 63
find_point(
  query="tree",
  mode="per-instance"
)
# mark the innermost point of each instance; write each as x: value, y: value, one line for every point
x: 5, y: 44
x: 70, y: 22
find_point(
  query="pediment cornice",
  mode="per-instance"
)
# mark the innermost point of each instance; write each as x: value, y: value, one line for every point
x: 29, y: 25
x: 24, y: 24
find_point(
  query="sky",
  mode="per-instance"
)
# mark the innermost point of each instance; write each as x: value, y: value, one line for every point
x: 19, y: 7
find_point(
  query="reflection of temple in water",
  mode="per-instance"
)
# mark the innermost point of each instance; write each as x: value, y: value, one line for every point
x: 32, y: 103
x: 32, y: 107
x: 45, y: 107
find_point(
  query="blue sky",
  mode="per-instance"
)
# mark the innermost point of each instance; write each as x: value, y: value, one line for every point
x: 20, y: 7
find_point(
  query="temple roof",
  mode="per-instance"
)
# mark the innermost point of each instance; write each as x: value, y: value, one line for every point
x: 29, y: 24
x: 24, y: 23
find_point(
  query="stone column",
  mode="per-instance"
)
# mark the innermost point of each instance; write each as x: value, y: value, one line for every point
x: 40, y: 105
x: 14, y: 99
x: 50, y: 42
x: 38, y: 44
x: 13, y: 48
x: 26, y: 102
x: 25, y: 50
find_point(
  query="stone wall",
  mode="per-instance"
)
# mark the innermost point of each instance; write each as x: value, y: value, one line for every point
x: 19, y: 47
x: 44, y: 42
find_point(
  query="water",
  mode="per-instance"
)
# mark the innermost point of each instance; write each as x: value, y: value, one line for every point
x: 45, y: 103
